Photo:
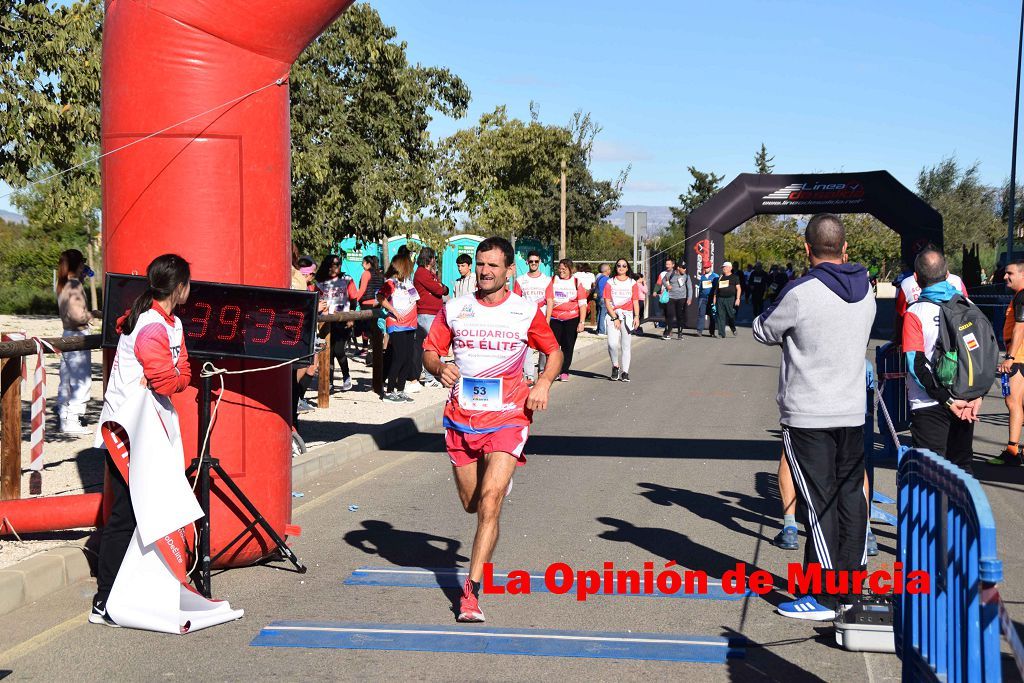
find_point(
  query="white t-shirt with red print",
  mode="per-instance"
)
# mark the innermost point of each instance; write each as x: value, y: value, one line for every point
x: 490, y: 342
x: 533, y: 288
x: 403, y: 297
x: 622, y: 293
x: 567, y: 295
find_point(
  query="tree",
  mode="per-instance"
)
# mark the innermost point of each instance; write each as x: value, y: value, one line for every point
x: 762, y: 162
x: 604, y: 243
x: 703, y: 186
x: 363, y: 163
x: 969, y: 208
x: 50, y: 113
x: 506, y: 173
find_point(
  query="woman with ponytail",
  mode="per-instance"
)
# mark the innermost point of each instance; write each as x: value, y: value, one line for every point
x: 151, y: 357
x: 75, y: 366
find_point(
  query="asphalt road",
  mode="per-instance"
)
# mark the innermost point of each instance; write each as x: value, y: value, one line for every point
x: 677, y: 465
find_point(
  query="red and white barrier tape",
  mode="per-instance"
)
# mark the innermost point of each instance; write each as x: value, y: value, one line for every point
x: 1006, y: 627
x: 38, y: 413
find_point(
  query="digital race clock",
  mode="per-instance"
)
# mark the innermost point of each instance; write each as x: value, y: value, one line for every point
x: 235, y: 321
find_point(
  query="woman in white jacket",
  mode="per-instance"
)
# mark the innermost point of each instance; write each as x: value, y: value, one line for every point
x: 75, y: 366
x: 151, y: 352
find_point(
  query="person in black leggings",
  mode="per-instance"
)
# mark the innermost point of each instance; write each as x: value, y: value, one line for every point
x: 567, y: 304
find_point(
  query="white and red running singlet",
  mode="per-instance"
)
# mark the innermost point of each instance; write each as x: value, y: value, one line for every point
x: 490, y: 343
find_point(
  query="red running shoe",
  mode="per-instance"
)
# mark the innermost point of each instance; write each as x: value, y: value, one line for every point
x: 469, y: 608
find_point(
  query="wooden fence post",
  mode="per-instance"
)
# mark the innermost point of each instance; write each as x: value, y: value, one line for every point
x: 326, y: 367
x: 10, y: 431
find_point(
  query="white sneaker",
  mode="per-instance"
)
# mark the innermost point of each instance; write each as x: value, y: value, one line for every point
x: 347, y: 384
x: 73, y: 426
x: 304, y: 406
x: 413, y: 387
x: 432, y: 383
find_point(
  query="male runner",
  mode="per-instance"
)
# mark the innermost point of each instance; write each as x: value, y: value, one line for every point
x: 532, y: 286
x: 1013, y: 364
x: 489, y: 410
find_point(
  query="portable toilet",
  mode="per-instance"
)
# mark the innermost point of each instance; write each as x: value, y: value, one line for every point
x: 355, y: 250
x: 459, y: 244
x: 525, y: 245
x: 395, y: 243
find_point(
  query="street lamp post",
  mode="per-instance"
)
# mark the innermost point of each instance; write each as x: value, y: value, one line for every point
x: 1013, y: 163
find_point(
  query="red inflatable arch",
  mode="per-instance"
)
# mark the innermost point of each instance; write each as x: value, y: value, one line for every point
x: 217, y: 191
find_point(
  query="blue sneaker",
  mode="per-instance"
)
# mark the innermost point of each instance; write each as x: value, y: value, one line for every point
x: 806, y: 608
x: 787, y: 539
x: 872, y: 544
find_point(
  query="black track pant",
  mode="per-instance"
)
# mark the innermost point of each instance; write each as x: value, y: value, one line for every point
x: 116, y: 534
x: 565, y: 333
x: 726, y: 315
x: 340, y: 335
x: 939, y: 430
x: 828, y: 471
x: 675, y: 315
x: 399, y: 358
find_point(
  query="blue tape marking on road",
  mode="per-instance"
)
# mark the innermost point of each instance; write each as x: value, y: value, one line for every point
x: 877, y: 497
x: 495, y: 641
x: 421, y: 577
x: 881, y: 516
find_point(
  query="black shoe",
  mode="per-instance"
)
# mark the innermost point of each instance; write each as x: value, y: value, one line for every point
x: 679, y: 335
x: 615, y: 374
x: 665, y: 337
x: 624, y: 377
x: 99, y: 615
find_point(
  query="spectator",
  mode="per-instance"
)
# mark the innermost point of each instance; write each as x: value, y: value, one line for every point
x: 430, y: 290
x: 589, y: 283
x: 677, y: 283
x: 746, y: 282
x: 938, y: 421
x: 304, y: 372
x: 370, y: 283
x: 398, y: 296
x: 758, y: 287
x: 727, y: 300
x: 466, y: 284
x: 641, y: 283
x: 567, y: 303
x: 604, y: 272
x: 707, y: 288
x: 75, y: 366
x: 823, y: 323
x: 339, y: 292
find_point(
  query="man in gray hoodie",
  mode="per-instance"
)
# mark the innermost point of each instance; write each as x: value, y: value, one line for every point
x: 823, y: 323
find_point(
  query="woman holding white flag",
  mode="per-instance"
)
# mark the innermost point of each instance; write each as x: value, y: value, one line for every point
x: 143, y: 569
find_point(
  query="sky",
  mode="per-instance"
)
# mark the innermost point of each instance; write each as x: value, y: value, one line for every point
x: 826, y: 86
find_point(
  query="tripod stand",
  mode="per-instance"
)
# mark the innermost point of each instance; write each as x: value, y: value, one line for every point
x: 200, y: 467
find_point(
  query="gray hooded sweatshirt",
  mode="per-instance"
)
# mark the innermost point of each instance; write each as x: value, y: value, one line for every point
x: 823, y: 323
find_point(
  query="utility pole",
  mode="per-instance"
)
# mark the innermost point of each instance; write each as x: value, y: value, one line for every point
x: 561, y: 243
x: 1013, y: 163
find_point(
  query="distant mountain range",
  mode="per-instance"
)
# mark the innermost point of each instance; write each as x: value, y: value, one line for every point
x: 658, y: 217
x: 12, y: 217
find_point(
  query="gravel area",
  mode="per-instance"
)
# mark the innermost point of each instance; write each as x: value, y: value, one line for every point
x: 73, y: 466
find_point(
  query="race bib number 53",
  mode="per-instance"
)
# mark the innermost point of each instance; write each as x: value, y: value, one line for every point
x: 481, y: 393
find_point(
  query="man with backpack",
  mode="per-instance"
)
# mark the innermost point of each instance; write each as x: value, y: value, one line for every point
x: 951, y: 359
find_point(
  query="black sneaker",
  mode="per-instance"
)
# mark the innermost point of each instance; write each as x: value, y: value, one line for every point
x: 665, y: 337
x: 679, y: 335
x: 615, y: 374
x: 99, y: 615
x: 624, y: 377
x: 1005, y: 458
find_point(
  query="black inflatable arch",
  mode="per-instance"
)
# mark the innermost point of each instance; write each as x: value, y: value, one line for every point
x: 752, y: 194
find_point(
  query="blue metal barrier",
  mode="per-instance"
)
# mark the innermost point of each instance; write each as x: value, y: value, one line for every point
x: 946, y: 529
